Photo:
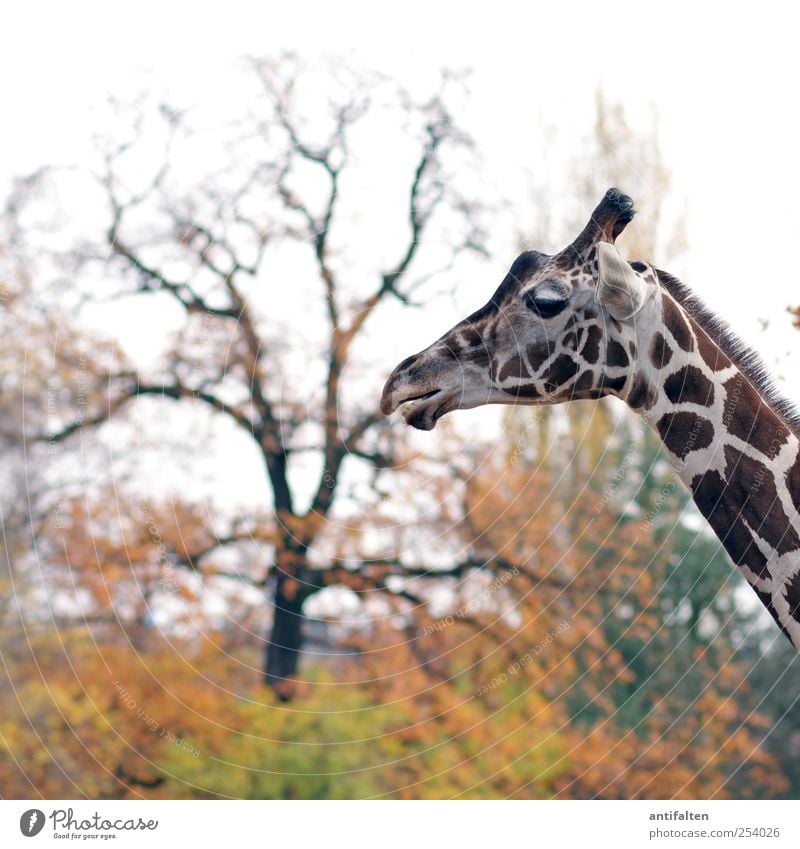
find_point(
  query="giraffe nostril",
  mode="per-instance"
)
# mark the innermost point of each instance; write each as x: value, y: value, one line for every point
x: 408, y: 361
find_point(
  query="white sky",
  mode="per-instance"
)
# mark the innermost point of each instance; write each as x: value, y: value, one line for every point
x: 724, y: 80
x: 723, y: 77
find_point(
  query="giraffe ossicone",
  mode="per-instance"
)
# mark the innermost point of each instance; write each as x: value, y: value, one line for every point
x: 584, y: 323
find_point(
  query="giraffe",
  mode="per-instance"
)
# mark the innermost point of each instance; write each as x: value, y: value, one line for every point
x: 584, y: 323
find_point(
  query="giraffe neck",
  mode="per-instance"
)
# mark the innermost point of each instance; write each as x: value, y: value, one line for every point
x: 732, y: 450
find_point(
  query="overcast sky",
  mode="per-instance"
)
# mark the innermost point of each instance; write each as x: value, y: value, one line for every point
x: 724, y: 83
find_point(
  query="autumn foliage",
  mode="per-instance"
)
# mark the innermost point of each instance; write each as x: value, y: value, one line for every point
x: 556, y: 670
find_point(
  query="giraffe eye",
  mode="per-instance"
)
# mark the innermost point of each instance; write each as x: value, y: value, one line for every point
x: 545, y: 305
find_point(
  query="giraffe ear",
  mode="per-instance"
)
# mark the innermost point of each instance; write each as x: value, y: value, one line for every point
x: 619, y: 288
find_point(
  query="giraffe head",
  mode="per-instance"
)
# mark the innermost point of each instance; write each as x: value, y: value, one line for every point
x: 558, y: 328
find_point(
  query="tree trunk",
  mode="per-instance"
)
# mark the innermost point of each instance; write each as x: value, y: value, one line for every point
x: 285, y: 638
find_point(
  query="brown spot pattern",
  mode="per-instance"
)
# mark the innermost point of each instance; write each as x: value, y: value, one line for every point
x: 716, y: 503
x: 527, y: 390
x: 616, y: 355
x: 515, y: 367
x: 793, y: 596
x: 689, y: 384
x: 560, y: 371
x: 793, y: 483
x: 642, y: 395
x: 676, y: 323
x: 745, y: 415
x: 472, y: 336
x: 571, y: 341
x: 591, y: 348
x: 660, y: 351
x: 685, y: 432
x: 479, y: 356
x: 613, y: 384
x: 751, y: 487
x: 539, y: 353
x: 711, y: 353
x: 584, y: 382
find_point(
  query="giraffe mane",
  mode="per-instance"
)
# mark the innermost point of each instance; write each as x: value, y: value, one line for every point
x: 747, y: 360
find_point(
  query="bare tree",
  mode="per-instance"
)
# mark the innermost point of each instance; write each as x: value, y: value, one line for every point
x: 207, y: 246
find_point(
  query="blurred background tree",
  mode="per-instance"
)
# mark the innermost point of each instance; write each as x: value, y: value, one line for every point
x: 264, y: 342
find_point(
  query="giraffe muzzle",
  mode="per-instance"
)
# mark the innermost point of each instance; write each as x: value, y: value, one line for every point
x: 428, y: 385
x: 420, y: 410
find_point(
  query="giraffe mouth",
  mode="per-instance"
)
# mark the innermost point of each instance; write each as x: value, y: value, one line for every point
x: 423, y: 397
x: 420, y: 413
